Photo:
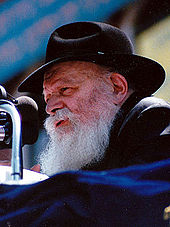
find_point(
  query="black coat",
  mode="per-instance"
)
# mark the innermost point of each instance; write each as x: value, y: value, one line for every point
x: 140, y: 134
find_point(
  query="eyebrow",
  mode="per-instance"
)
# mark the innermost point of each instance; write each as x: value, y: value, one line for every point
x: 65, y: 81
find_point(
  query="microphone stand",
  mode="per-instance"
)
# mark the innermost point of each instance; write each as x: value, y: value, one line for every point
x: 16, y: 160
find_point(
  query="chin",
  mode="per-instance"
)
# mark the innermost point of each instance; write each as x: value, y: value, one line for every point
x: 63, y: 131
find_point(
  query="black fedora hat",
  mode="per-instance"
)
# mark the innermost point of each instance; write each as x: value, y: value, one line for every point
x: 102, y: 44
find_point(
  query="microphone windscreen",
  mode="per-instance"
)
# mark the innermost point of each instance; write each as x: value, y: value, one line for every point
x: 28, y: 110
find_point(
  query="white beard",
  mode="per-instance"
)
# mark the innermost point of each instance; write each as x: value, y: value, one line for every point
x: 82, y: 146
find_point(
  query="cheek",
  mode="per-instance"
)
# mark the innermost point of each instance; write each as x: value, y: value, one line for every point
x: 89, y: 105
x: 88, y: 109
x: 81, y: 106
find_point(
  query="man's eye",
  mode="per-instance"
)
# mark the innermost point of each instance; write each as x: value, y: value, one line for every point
x: 66, y: 90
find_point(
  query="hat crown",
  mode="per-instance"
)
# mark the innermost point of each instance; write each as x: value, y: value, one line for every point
x: 87, y: 37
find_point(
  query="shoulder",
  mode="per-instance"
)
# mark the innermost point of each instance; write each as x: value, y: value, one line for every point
x: 145, y: 133
x: 150, y: 113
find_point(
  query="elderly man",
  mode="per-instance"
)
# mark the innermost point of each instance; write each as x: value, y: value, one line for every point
x: 95, y: 91
x: 92, y: 85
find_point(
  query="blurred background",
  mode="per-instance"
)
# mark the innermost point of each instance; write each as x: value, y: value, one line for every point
x: 25, y: 26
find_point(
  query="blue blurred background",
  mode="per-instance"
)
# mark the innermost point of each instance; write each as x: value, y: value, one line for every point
x: 25, y: 26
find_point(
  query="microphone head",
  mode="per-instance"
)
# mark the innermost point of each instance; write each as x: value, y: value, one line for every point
x: 28, y: 110
x: 3, y: 93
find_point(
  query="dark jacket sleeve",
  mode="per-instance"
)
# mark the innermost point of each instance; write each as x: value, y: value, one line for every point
x: 133, y: 196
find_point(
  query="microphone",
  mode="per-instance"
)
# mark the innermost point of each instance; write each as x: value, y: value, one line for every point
x: 3, y: 93
x: 19, y: 121
x: 28, y: 111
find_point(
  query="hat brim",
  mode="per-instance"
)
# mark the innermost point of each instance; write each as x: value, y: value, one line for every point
x: 145, y: 74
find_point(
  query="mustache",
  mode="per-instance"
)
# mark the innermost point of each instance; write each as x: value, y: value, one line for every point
x: 62, y: 114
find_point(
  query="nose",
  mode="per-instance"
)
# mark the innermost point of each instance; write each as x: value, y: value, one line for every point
x: 53, y: 105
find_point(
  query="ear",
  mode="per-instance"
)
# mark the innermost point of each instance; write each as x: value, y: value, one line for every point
x: 120, y: 87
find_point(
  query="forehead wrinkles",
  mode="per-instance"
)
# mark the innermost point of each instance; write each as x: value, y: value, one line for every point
x: 75, y: 69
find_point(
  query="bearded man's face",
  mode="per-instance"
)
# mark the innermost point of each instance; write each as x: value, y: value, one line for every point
x: 79, y: 102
